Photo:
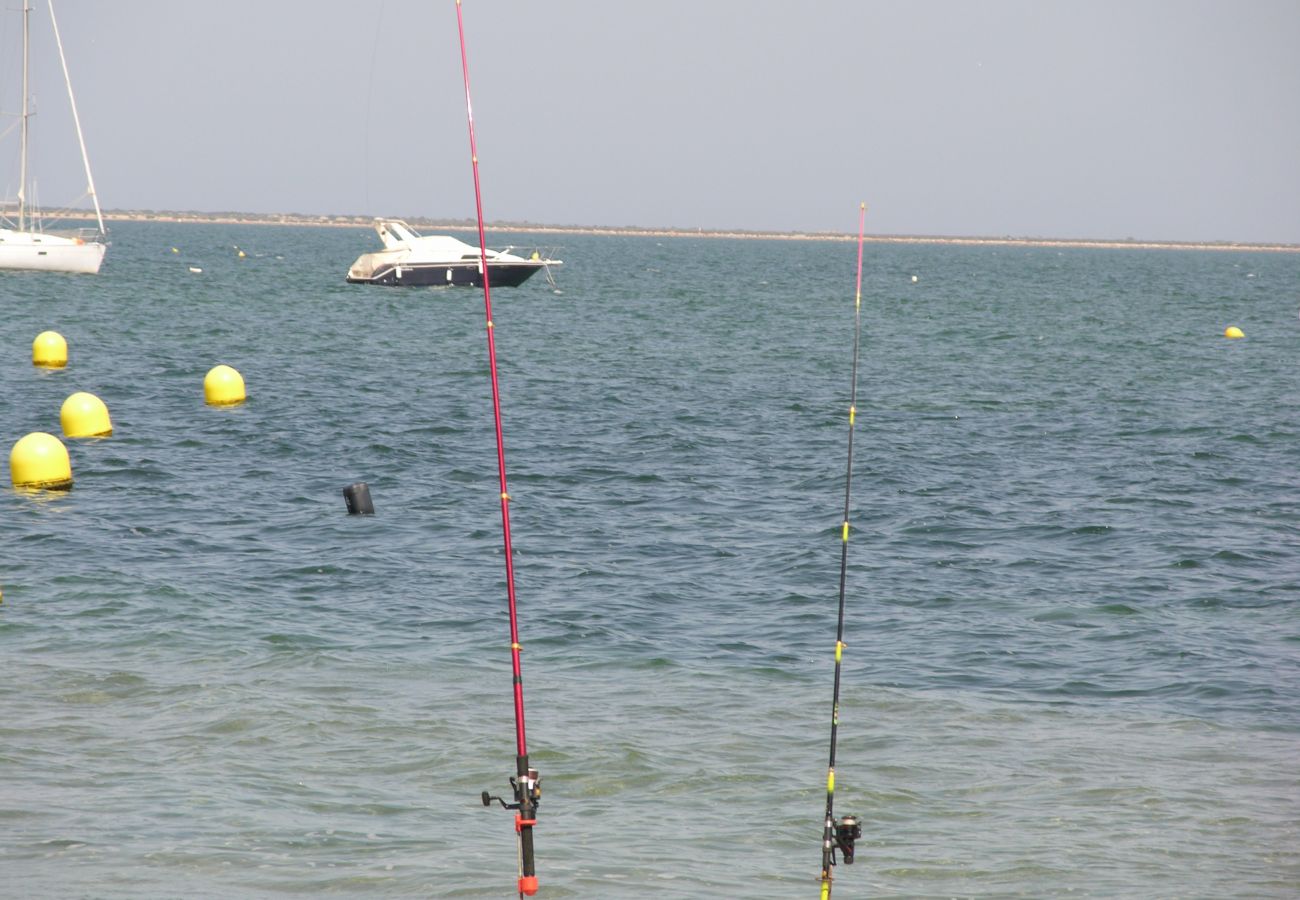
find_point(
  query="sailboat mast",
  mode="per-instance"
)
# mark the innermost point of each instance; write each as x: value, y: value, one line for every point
x: 76, y: 120
x: 22, y: 169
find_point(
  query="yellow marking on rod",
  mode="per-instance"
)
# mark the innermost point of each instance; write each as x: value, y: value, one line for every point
x: 505, y: 496
x: 830, y: 781
x: 839, y: 650
x: 516, y: 646
x: 853, y: 414
x: 826, y: 887
x: 846, y: 531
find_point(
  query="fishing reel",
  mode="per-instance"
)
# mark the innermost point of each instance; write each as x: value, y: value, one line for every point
x: 528, y: 793
x: 847, y: 830
x: 528, y: 787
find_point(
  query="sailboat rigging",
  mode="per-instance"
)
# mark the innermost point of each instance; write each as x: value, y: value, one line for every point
x: 24, y: 241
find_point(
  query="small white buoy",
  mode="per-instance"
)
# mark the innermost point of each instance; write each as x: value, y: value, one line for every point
x: 914, y: 279
x: 195, y: 269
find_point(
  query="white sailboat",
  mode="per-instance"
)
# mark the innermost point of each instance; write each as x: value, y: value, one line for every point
x: 24, y: 241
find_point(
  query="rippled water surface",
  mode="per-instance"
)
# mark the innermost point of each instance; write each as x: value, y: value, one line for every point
x: 1073, y: 641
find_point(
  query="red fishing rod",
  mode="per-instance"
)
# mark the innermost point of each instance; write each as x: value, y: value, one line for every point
x: 526, y: 783
x: 840, y: 834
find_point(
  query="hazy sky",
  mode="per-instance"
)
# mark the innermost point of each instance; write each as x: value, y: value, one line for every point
x: 1161, y: 119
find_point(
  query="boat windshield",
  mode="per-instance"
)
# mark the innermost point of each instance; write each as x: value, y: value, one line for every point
x: 395, y: 233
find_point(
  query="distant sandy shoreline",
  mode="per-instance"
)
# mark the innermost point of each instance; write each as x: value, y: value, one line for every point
x: 364, y: 222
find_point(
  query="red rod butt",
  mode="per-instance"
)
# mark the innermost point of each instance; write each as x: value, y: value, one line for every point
x: 528, y: 885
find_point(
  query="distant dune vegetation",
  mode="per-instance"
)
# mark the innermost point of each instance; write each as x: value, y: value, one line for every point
x: 241, y: 218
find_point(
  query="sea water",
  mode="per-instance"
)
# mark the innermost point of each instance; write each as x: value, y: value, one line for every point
x: 1071, y: 614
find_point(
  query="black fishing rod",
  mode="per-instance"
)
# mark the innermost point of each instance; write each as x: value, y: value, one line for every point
x: 526, y: 783
x: 840, y: 834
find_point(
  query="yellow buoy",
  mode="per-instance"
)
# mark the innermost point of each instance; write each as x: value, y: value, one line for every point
x: 40, y: 460
x: 223, y: 386
x: 50, y: 350
x: 85, y: 415
x: 1232, y: 331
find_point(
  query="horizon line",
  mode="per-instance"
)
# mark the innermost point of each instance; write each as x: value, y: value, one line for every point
x: 231, y: 217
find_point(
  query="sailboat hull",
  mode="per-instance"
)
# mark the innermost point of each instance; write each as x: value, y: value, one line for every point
x: 33, y: 251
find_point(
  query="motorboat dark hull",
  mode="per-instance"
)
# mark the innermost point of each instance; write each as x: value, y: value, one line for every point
x: 449, y: 275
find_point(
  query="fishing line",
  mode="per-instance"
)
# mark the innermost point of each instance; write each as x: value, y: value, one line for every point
x: 840, y: 834
x: 526, y: 783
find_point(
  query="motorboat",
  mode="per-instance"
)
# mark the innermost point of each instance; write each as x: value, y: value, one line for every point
x: 25, y: 241
x: 415, y: 260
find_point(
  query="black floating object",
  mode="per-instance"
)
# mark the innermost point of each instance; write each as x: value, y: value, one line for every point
x: 358, y: 499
